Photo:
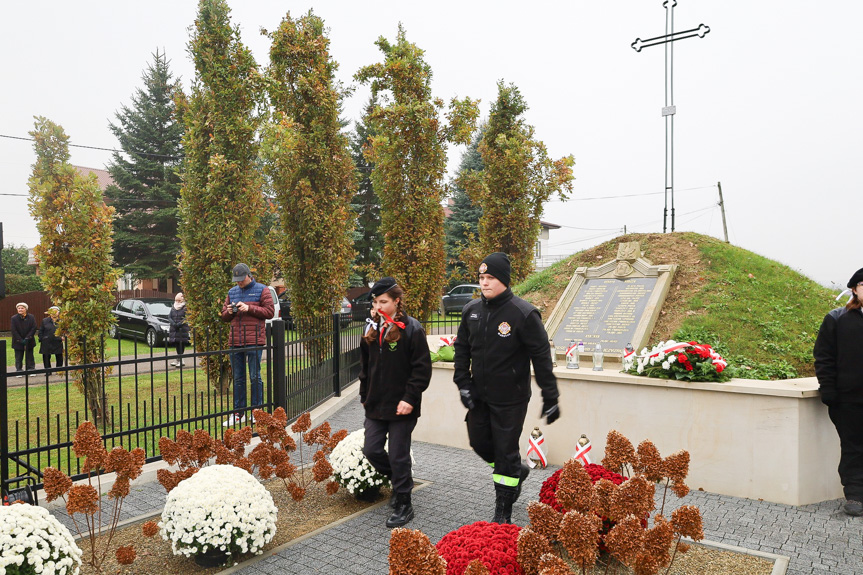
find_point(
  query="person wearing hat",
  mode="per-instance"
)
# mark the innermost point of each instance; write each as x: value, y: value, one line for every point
x: 49, y: 343
x: 23, y: 328
x: 395, y: 370
x: 838, y: 357
x: 500, y: 335
x: 247, y: 307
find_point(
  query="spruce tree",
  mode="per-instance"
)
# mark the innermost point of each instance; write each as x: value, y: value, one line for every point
x: 461, y: 228
x: 368, y: 242
x: 146, y: 183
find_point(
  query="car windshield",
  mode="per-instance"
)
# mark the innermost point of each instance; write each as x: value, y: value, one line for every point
x: 159, y: 308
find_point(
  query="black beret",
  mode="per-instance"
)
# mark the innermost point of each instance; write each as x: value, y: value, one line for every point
x: 496, y: 264
x: 856, y: 278
x: 382, y: 286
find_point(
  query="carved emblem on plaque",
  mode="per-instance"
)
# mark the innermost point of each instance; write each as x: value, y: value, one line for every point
x: 623, y: 269
x: 629, y: 251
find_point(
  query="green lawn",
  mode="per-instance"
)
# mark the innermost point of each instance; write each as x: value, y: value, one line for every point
x: 111, y: 346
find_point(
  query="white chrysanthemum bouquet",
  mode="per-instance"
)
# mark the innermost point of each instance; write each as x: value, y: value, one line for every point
x: 33, y: 541
x: 351, y: 469
x: 221, y: 507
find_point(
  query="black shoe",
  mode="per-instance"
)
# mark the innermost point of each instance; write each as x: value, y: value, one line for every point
x: 522, y: 475
x: 393, y: 500
x: 403, y: 511
x: 853, y: 508
x: 503, y: 505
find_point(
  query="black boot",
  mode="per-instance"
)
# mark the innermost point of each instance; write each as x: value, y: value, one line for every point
x: 403, y: 511
x: 393, y: 500
x: 504, y: 499
x: 522, y: 475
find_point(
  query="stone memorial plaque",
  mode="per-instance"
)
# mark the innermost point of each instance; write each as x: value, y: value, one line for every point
x: 605, y: 311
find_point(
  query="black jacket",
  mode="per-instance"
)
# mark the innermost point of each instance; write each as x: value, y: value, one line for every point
x: 179, y: 329
x: 49, y: 343
x: 496, y: 343
x: 23, y: 329
x: 398, y: 371
x: 839, y: 357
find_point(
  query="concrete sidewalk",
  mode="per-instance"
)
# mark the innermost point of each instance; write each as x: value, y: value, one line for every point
x: 817, y: 538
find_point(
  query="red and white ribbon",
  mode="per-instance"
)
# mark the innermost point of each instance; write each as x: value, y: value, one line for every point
x: 715, y: 358
x: 535, y: 447
x: 571, y: 350
x: 444, y: 340
x: 581, y: 453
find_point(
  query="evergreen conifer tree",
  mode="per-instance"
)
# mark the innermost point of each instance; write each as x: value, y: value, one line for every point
x: 368, y: 242
x: 461, y: 228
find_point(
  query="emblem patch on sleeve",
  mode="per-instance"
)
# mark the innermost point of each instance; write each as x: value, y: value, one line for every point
x: 504, y: 329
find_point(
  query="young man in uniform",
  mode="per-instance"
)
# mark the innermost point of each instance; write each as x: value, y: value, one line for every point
x: 499, y: 336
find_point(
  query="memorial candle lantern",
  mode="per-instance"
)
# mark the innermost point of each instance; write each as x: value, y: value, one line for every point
x: 572, y: 355
x: 553, y: 353
x: 597, y: 357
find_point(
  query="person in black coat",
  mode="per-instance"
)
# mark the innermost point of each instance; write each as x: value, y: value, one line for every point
x: 178, y: 331
x: 838, y: 357
x: 49, y: 343
x: 395, y: 370
x: 23, y: 328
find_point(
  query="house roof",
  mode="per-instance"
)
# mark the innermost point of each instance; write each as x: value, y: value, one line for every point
x: 102, y: 176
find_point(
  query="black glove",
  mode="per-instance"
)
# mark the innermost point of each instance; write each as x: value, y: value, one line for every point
x: 550, y: 411
x: 828, y: 398
x: 466, y: 398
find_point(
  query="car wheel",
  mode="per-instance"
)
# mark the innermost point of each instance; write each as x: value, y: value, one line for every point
x: 152, y: 338
x: 113, y: 333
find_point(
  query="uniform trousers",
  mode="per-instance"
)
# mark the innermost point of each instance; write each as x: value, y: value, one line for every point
x: 394, y: 462
x: 848, y: 419
x: 494, y: 432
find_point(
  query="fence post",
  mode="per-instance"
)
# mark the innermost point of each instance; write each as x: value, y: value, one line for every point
x: 4, y: 422
x: 337, y: 352
x: 280, y: 392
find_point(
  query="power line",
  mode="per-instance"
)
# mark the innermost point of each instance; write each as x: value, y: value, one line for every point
x: 626, y: 195
x: 99, y: 148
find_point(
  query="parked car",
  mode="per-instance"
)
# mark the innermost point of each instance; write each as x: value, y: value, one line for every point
x: 283, y: 305
x: 457, y: 297
x: 346, y: 312
x: 144, y: 318
x: 277, y: 310
x: 361, y: 306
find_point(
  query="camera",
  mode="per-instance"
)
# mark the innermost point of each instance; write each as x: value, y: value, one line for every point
x: 233, y: 308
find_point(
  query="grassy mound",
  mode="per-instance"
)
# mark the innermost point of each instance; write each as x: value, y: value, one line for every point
x: 761, y: 315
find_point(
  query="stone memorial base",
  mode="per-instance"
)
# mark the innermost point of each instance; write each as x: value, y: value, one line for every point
x: 768, y: 440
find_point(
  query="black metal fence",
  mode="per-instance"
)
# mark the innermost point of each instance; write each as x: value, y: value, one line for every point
x: 149, y: 395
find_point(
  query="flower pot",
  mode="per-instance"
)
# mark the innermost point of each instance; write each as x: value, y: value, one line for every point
x: 211, y: 558
x: 369, y: 495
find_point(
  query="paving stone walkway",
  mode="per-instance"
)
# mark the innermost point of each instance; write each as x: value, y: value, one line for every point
x: 818, y: 538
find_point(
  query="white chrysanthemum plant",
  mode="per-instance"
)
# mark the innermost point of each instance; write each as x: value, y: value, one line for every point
x: 33, y: 541
x: 351, y: 469
x: 222, y: 508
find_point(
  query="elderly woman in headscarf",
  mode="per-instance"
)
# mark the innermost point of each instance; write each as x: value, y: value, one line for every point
x: 23, y: 328
x: 178, y: 332
x: 49, y: 343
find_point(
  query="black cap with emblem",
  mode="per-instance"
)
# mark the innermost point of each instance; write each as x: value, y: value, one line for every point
x: 496, y: 264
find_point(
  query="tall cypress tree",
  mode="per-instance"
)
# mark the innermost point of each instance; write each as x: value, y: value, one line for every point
x: 368, y: 242
x: 461, y: 229
x: 146, y: 183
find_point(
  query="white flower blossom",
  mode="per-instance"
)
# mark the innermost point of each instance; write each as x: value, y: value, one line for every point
x: 351, y: 469
x: 31, y: 536
x: 666, y: 365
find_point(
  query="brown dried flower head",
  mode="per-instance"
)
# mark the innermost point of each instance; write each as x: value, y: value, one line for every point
x: 322, y: 470
x: 120, y: 489
x: 624, y: 540
x: 686, y: 521
x: 676, y: 466
x: 244, y: 464
x: 82, y: 499
x: 531, y: 546
x: 411, y: 553
x: 655, y: 548
x: 319, y: 435
x: 170, y: 450
x: 126, y: 555
x: 683, y: 546
x: 579, y: 535
x: 649, y: 461
x: 618, y: 451
x: 600, y: 502
x: 56, y: 483
x: 170, y: 479
x: 297, y: 492
x: 302, y: 424
x: 332, y: 487
x: 551, y: 564
x: 632, y: 497
x: 544, y: 519
x: 285, y: 470
x: 476, y: 567
x: 88, y: 444
x: 574, y: 489
x: 335, y: 439
x: 680, y: 489
x: 150, y: 528
x: 203, y: 446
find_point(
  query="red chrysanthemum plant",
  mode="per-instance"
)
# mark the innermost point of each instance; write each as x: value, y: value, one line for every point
x: 84, y: 498
x: 411, y: 553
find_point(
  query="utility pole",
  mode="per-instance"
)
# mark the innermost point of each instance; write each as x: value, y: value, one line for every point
x: 722, y: 209
x: 669, y: 109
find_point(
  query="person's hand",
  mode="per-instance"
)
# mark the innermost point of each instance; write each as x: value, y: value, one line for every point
x: 828, y: 398
x: 550, y: 411
x: 466, y: 398
x: 243, y: 306
x: 404, y: 408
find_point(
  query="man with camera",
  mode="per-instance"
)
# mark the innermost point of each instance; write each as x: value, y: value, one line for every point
x: 247, y: 307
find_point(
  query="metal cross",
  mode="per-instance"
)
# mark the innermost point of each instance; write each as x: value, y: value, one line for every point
x: 669, y: 109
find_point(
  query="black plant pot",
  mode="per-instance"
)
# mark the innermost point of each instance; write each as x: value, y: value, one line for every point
x: 369, y: 495
x: 211, y: 558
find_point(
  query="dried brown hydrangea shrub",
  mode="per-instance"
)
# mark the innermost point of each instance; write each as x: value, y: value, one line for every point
x: 476, y: 567
x: 302, y: 424
x: 686, y: 521
x: 544, y: 519
x: 126, y: 555
x: 55, y: 483
x: 550, y: 564
x: 624, y: 540
x: 649, y: 462
x: 618, y: 452
x: 579, y: 535
x: 150, y: 528
x: 632, y: 497
x: 82, y: 499
x: 88, y: 444
x: 574, y: 489
x: 532, y: 546
x: 655, y: 549
x: 411, y: 553
x: 676, y: 466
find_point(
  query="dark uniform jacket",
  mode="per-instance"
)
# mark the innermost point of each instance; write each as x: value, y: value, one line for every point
x: 394, y: 372
x: 839, y: 356
x: 49, y: 343
x: 496, y: 342
x: 23, y: 329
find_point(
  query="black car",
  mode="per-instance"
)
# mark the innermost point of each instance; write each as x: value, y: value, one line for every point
x: 458, y: 296
x: 145, y: 318
x: 361, y: 306
x: 284, y: 304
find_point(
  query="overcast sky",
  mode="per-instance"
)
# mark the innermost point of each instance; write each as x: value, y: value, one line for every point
x: 768, y: 103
